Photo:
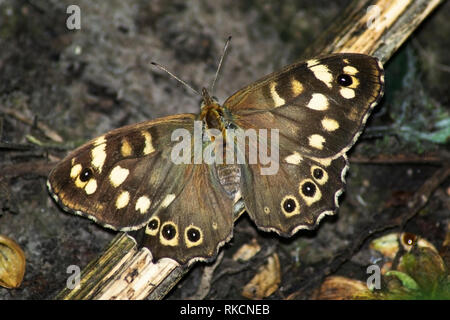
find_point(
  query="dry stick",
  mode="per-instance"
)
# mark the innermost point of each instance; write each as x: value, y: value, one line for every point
x: 125, y: 272
x: 51, y: 134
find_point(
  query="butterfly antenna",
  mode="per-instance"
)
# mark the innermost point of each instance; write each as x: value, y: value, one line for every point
x: 175, y: 77
x: 220, y: 63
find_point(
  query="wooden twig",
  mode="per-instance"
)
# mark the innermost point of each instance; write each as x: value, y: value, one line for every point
x: 40, y: 168
x: 51, y: 134
x: 132, y: 275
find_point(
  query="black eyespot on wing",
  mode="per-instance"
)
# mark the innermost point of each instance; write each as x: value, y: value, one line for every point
x: 86, y: 174
x: 153, y: 224
x: 193, y: 234
x: 289, y: 205
x: 169, y: 232
x: 309, y: 189
x: 344, y: 80
x: 318, y: 173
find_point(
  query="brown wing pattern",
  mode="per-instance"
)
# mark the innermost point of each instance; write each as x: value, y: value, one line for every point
x: 319, y: 108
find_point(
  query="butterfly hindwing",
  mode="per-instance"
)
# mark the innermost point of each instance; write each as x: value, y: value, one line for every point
x: 298, y: 198
x: 196, y: 224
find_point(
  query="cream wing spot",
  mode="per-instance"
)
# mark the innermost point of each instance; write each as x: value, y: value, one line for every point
x: 118, y: 175
x: 294, y: 158
x: 323, y: 161
x: 380, y: 66
x: 316, y: 141
x: 91, y: 186
x: 80, y: 184
x: 98, y: 156
x: 122, y: 200
x: 347, y: 93
x: 297, y: 87
x: 167, y: 200
x: 100, y: 140
x: 125, y: 149
x: 350, y: 70
x: 143, y: 204
x: 75, y: 171
x: 322, y: 73
x: 312, y: 62
x: 277, y: 100
x: 148, y: 143
x: 318, y: 102
x: 355, y: 83
x: 329, y: 124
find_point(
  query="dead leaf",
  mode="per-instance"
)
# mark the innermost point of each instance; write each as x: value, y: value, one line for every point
x: 247, y: 251
x: 340, y: 288
x: 12, y: 263
x: 266, y: 281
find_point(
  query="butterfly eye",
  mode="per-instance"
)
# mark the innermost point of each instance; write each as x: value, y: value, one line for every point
x: 309, y: 189
x: 169, y: 231
x: 86, y: 174
x: 344, y: 80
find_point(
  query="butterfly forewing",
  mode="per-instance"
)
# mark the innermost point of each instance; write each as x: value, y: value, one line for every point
x: 320, y: 106
x: 122, y: 177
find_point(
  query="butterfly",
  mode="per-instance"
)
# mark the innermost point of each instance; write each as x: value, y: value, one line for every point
x: 314, y: 110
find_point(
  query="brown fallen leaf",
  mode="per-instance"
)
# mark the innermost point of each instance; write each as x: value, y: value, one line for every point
x: 247, y: 251
x: 12, y: 263
x: 340, y: 288
x: 266, y: 280
x: 388, y: 245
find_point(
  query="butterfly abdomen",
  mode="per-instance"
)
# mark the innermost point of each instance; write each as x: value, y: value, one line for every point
x: 229, y: 177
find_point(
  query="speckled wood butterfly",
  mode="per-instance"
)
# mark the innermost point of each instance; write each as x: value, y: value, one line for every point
x: 126, y: 179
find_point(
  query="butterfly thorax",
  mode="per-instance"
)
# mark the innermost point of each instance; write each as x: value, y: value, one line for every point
x: 212, y: 113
